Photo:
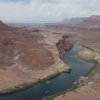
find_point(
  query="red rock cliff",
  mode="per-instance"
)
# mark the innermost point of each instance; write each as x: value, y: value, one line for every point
x: 64, y: 45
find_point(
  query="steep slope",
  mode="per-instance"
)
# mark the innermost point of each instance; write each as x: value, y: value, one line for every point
x: 22, y: 43
x: 26, y: 57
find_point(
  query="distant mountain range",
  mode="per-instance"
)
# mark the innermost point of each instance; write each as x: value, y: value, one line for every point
x: 83, y: 22
x: 92, y: 22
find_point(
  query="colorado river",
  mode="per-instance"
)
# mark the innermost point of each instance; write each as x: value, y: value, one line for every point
x: 59, y: 84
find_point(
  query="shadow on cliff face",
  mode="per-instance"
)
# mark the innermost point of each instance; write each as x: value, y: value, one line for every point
x: 63, y: 45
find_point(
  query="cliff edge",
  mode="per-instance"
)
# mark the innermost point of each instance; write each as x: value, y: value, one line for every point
x: 63, y: 45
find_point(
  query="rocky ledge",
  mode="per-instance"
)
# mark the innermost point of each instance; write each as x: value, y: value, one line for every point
x: 88, y: 55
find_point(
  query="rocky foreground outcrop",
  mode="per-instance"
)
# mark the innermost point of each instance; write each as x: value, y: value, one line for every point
x: 26, y: 57
x: 23, y: 59
x: 64, y: 45
x: 22, y: 46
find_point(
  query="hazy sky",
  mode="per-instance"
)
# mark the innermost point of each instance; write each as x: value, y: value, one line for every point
x: 29, y: 11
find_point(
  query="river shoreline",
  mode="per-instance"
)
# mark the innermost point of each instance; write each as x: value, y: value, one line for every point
x: 30, y: 85
x: 23, y: 87
x: 89, y: 74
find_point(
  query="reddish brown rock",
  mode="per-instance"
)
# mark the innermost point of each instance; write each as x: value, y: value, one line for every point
x: 23, y: 44
x: 5, y: 27
x: 27, y: 57
x: 64, y: 45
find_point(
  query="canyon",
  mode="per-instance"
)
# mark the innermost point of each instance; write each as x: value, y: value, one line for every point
x: 25, y: 58
x: 30, y: 53
x: 85, y: 32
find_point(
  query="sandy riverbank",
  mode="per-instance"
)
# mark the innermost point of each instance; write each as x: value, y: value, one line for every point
x: 88, y: 55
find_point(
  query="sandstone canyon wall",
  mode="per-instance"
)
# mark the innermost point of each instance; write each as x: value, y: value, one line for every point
x: 64, y: 45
